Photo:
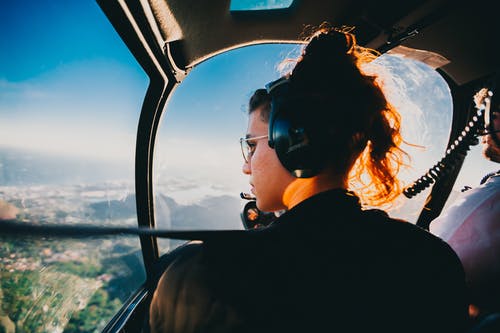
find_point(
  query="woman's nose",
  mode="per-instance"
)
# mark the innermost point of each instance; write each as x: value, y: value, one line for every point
x: 246, y: 168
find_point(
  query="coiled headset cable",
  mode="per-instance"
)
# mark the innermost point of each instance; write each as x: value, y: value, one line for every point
x: 457, y: 150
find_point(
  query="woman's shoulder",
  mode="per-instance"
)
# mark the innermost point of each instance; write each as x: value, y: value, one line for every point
x: 407, y: 239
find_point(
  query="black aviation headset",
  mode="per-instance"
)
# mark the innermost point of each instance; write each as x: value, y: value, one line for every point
x: 300, y: 142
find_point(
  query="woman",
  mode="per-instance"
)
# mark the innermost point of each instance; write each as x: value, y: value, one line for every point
x: 325, y: 264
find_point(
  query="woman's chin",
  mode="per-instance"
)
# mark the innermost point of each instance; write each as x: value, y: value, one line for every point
x: 265, y: 207
x: 261, y: 205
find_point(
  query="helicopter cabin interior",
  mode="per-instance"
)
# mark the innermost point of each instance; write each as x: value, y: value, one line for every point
x: 195, y: 64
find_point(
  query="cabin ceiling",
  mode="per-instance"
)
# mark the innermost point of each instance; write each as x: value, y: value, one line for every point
x: 195, y: 30
x: 205, y: 28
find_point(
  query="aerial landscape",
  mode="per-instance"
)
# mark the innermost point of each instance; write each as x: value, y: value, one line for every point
x: 65, y: 285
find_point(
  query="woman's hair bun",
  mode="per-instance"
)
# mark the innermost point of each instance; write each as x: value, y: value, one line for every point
x: 329, y: 43
x: 327, y: 62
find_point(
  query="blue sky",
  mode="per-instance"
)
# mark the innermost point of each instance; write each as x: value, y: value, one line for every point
x: 67, y: 81
x: 66, y: 73
x: 43, y: 35
x: 68, y: 85
x: 259, y: 4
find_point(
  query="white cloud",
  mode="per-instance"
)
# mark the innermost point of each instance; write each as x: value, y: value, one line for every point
x: 86, y: 109
x: 208, y: 166
x: 96, y: 142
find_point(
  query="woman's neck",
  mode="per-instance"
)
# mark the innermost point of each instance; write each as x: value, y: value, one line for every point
x: 303, y: 188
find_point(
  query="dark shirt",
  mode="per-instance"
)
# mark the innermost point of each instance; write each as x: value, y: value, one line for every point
x: 324, y: 266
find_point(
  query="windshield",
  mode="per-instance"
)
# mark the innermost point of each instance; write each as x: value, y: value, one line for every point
x: 70, y: 95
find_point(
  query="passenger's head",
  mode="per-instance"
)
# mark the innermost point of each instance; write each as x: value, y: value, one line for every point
x: 343, y: 111
x: 491, y: 147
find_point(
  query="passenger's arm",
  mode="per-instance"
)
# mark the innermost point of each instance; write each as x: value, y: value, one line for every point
x: 185, y: 302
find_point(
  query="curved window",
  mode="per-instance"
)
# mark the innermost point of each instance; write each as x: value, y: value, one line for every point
x: 198, y: 161
x: 424, y: 101
x: 69, y: 108
x: 237, y: 5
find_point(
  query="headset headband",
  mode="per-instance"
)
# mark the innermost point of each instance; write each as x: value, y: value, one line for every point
x: 275, y: 87
x: 278, y: 90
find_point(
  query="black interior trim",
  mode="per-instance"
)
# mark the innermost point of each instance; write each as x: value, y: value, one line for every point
x: 135, y: 304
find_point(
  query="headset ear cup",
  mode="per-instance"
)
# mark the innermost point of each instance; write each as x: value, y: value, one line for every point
x: 297, y: 140
x: 294, y: 148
